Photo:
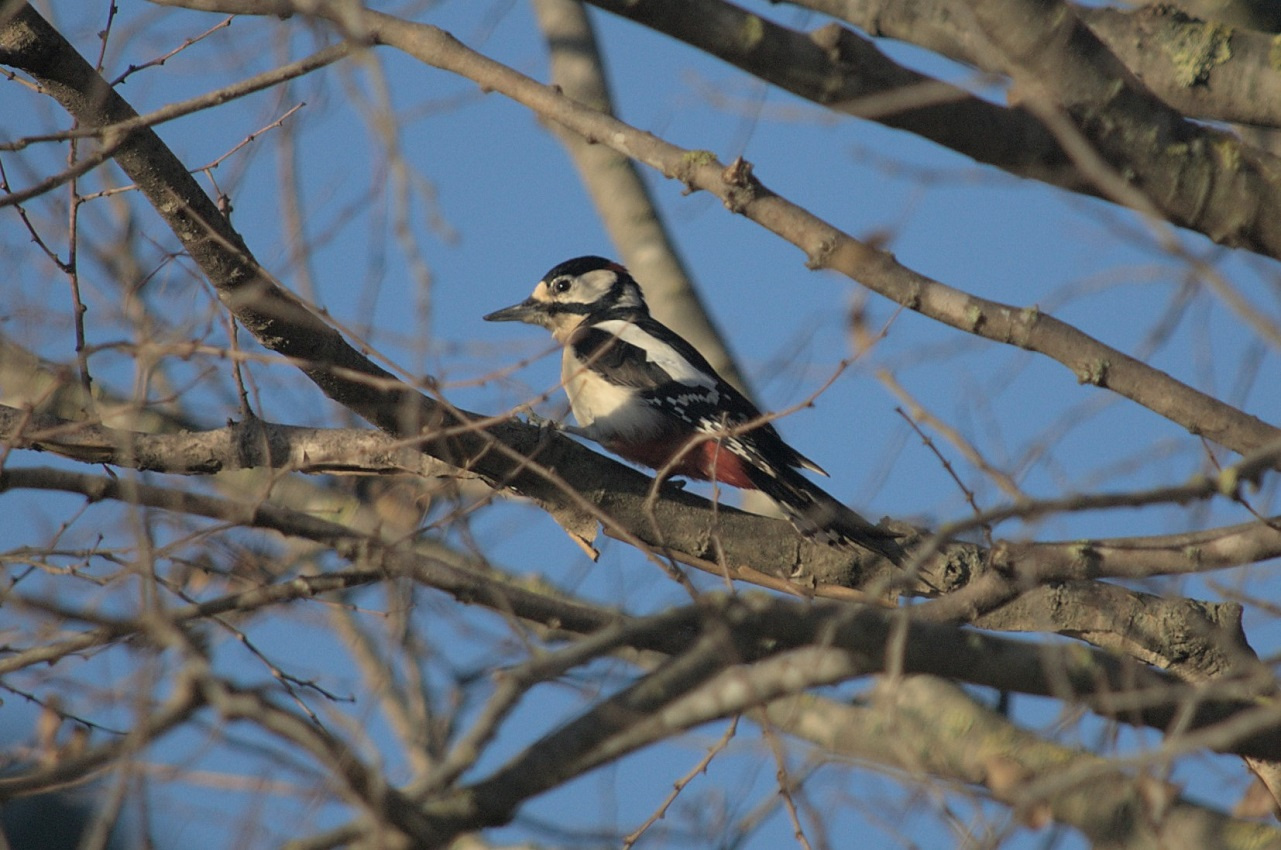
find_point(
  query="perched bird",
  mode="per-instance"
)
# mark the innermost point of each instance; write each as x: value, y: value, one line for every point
x: 644, y: 393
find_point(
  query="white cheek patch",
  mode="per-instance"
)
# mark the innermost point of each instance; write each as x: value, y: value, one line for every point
x: 593, y: 285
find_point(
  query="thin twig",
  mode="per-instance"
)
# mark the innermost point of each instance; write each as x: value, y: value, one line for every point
x: 160, y: 60
x: 679, y: 785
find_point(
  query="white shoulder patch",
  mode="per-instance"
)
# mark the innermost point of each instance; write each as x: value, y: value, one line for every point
x: 659, y: 353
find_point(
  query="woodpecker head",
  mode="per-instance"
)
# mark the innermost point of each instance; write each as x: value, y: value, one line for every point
x: 574, y: 290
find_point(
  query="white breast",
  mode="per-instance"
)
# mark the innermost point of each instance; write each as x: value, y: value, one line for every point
x: 605, y: 411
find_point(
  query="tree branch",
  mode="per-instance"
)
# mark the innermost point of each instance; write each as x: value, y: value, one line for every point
x: 1195, y: 176
x: 253, y: 444
x: 1200, y: 178
x: 1200, y: 68
x: 909, y: 724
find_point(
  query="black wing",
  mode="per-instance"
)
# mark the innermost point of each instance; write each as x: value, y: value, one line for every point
x: 707, y: 408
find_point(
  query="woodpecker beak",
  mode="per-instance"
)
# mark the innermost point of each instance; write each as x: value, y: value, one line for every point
x: 529, y: 311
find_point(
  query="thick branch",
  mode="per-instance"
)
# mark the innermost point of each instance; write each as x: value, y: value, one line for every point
x: 257, y: 444
x: 253, y: 444
x: 872, y: 639
x: 910, y: 724
x: 837, y: 69
x: 1195, y: 176
x: 1201, y: 68
x: 726, y: 673
x: 1199, y: 178
x: 852, y: 642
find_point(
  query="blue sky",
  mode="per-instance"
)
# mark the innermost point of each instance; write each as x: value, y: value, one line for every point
x: 498, y: 203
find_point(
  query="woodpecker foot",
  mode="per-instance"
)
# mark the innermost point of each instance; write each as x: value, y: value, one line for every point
x: 534, y: 418
x: 546, y: 427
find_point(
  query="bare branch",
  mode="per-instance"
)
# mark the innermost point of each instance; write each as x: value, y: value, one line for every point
x: 1201, y: 68
x: 910, y: 724
x: 253, y: 444
x: 1202, y: 179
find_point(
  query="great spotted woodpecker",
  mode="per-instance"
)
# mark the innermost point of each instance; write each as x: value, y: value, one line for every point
x: 647, y: 395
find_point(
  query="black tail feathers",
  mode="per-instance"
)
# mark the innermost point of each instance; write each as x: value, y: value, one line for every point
x: 818, y: 516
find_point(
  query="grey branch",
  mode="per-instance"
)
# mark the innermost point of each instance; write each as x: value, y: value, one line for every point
x: 910, y: 724
x: 253, y: 444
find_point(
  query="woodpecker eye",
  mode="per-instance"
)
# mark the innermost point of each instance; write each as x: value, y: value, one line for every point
x: 560, y: 285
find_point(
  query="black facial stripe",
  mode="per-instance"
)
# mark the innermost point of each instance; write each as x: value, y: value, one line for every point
x: 568, y: 307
